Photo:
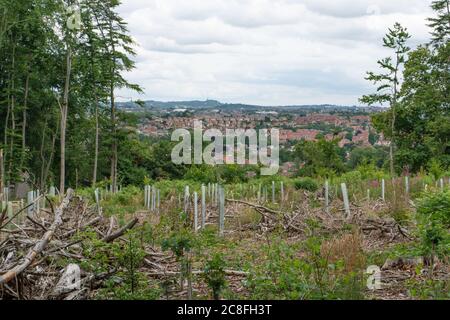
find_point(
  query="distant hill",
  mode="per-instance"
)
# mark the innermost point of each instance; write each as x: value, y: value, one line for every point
x: 214, y: 104
x: 151, y: 104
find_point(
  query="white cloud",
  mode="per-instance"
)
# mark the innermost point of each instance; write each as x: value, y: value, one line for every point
x: 352, y: 8
x: 269, y: 52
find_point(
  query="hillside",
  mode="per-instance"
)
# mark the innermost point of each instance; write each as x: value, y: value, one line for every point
x: 214, y: 104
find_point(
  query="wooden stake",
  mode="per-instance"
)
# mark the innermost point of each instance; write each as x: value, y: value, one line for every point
x: 9, y: 210
x: 195, y: 212
x: 153, y: 198
x: 407, y: 185
x: 346, y: 201
x: 216, y: 196
x: 145, y: 196
x: 203, y: 206
x: 327, y: 194
x: 273, y: 191
x: 6, y: 194
x: 186, y: 199
x: 97, y: 199
x: 149, y: 195
x: 30, y: 198
x: 158, y: 199
x: 52, y: 191
x: 221, y: 211
x: 38, y: 207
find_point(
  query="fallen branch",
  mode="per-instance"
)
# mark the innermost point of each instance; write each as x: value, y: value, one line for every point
x: 41, y: 244
x: 256, y: 206
x: 90, y: 223
x: 196, y: 272
x: 113, y: 236
x: 37, y: 223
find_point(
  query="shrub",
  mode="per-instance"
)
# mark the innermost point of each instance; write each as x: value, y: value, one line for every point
x: 128, y: 283
x: 307, y: 184
x: 436, y: 169
x: 181, y: 243
x: 284, y: 275
x: 351, y: 177
x: 127, y: 195
x: 429, y: 289
x: 281, y: 276
x: 436, y: 207
x: 214, y: 275
x: 433, y: 217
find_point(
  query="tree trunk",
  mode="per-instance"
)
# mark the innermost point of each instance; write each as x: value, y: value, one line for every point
x: 392, y: 145
x: 94, y: 176
x: 64, y: 111
x: 394, y: 117
x: 13, y: 118
x: 2, y: 171
x: 24, y: 120
x: 5, y: 142
x: 52, y: 154
x: 42, y: 183
x: 114, y: 125
x: 96, y: 102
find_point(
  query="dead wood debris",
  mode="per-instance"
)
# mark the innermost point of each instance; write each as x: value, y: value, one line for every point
x: 29, y: 251
x: 299, y: 220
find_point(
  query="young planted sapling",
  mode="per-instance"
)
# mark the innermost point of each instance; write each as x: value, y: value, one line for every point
x: 214, y: 275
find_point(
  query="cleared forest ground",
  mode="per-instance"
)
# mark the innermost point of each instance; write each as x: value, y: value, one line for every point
x: 290, y: 249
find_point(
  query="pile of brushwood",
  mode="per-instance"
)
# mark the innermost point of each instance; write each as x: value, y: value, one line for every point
x: 29, y: 253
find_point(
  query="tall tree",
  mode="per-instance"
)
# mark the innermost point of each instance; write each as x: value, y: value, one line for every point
x: 441, y: 23
x: 389, y: 80
x: 64, y: 79
x: 423, y: 117
x: 69, y: 34
x: 119, y: 46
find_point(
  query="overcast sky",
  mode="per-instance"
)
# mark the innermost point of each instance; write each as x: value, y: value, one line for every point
x: 268, y: 52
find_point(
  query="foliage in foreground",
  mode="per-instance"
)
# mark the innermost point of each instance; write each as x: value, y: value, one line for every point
x: 433, y: 217
x: 285, y: 275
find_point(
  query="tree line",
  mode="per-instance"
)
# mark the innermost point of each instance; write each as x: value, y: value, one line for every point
x: 61, y: 63
x: 415, y: 84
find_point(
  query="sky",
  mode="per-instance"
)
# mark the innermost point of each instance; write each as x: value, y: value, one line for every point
x: 265, y: 52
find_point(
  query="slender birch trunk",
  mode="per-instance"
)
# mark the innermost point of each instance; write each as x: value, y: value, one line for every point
x: 24, y: 120
x: 64, y: 111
